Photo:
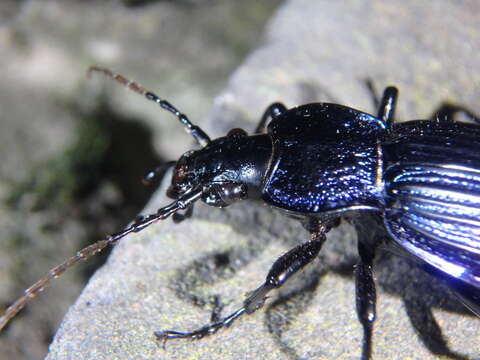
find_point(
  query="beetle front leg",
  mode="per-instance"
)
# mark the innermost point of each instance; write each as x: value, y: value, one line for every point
x: 284, y: 267
x: 179, y: 217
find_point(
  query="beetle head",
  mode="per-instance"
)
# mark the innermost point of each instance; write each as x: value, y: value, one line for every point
x: 228, y: 169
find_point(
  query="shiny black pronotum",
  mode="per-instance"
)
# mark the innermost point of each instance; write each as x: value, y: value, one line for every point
x: 417, y: 181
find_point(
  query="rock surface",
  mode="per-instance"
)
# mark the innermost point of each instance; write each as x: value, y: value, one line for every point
x: 168, y: 276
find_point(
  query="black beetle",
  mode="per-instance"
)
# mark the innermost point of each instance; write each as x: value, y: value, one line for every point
x: 419, y: 181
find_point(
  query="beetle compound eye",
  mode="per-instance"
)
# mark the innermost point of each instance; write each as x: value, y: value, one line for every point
x: 182, y: 176
x: 179, y: 175
x: 182, y: 181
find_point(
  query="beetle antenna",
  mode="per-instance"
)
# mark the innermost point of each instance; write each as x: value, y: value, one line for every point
x: 198, y: 134
x: 141, y: 223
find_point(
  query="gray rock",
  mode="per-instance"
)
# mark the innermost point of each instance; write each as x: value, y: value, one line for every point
x: 320, y: 50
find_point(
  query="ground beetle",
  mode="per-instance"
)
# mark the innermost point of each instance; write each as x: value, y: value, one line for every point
x: 417, y: 181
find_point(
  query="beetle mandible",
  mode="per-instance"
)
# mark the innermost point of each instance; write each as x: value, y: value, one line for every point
x: 418, y: 180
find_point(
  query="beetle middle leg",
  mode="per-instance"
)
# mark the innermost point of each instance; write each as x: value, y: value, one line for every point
x: 281, y: 270
x: 179, y: 217
x: 386, y: 108
x: 371, y: 236
x: 385, y: 105
x: 366, y: 297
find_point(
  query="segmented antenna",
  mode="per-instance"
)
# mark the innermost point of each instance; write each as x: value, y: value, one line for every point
x: 198, y: 134
x: 82, y: 255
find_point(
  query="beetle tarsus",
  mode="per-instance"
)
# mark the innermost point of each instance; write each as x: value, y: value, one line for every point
x: 179, y: 217
x: 367, y: 341
x: 201, y: 332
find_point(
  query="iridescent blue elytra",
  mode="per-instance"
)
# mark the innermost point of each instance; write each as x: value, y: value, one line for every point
x: 433, y: 187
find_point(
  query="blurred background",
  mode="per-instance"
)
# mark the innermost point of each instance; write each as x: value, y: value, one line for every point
x: 73, y: 151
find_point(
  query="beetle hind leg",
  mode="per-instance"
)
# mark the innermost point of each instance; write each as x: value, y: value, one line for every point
x: 371, y: 235
x: 446, y: 113
x: 284, y: 267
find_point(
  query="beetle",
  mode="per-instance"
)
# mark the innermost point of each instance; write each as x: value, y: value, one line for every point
x: 417, y: 182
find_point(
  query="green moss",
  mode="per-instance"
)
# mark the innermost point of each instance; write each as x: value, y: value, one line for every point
x: 55, y: 182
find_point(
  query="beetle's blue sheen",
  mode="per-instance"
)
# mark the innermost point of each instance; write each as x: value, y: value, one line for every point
x: 433, y: 182
x: 324, y: 159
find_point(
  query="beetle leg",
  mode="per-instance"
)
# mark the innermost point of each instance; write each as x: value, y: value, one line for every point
x: 370, y: 86
x: 154, y: 175
x: 386, y: 108
x: 386, y: 105
x: 365, y: 296
x: 284, y: 267
x: 179, y: 217
x: 446, y: 113
x: 273, y: 111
